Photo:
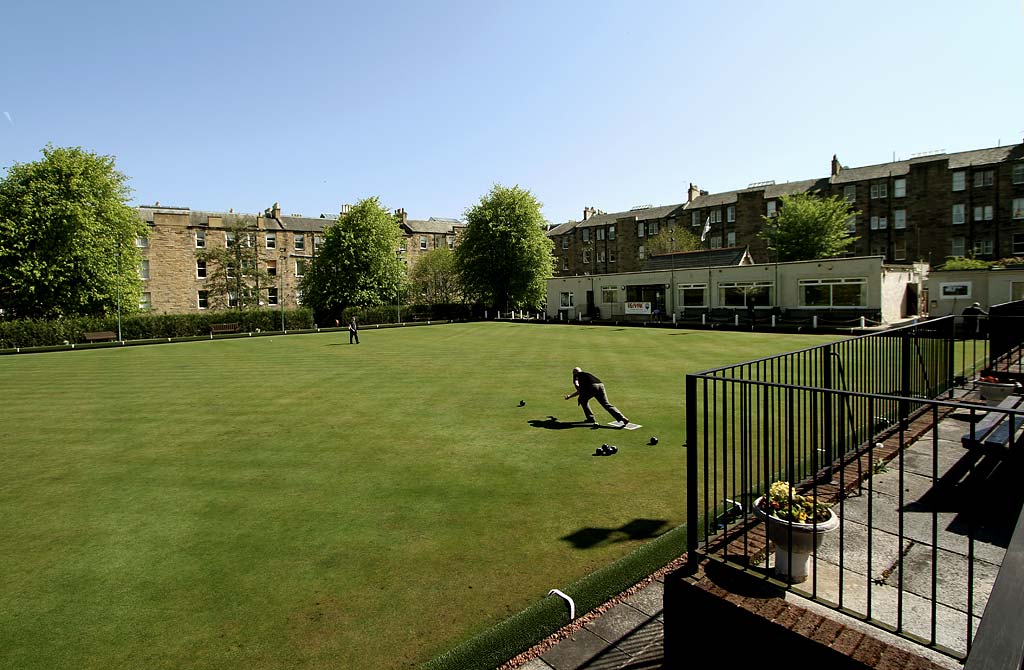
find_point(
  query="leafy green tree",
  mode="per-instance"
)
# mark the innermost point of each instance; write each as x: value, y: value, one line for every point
x: 357, y: 263
x: 504, y: 257
x: 672, y: 239
x: 235, y: 276
x: 808, y: 227
x: 67, y: 237
x: 435, y: 279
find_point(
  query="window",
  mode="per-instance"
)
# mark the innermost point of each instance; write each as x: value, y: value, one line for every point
x: 300, y: 242
x: 730, y: 213
x: 565, y: 263
x: 611, y: 256
x: 300, y: 267
x: 957, y: 247
x: 144, y: 269
x: 230, y: 271
x: 983, y: 247
x: 272, y: 268
x: 958, y: 214
x: 565, y: 241
x: 899, y: 249
x: 317, y: 241
x: 691, y: 295
x: 834, y: 292
x: 200, y: 239
x: 423, y: 242
x: 851, y: 224
x: 1018, y: 243
x: 566, y: 299
x: 959, y: 181
x: 204, y: 299
x: 200, y: 269
x: 850, y: 193
x: 716, y: 242
x: 984, y: 178
x: 1018, y: 208
x: 879, y: 191
x: 716, y: 216
x: 899, y: 188
x: 983, y: 213
x: 586, y: 234
x: 652, y: 228
x: 229, y: 239
x: 451, y: 241
x: 600, y: 256
x: 695, y: 219
x: 146, y: 301
x: 771, y: 207
x: 640, y: 229
x: 879, y: 223
x: 641, y: 253
x: 611, y: 232
x: 250, y: 240
x: 271, y: 240
x: 586, y: 255
x: 232, y: 299
x: 609, y: 294
x: 730, y: 239
x: 1018, y: 173
x: 298, y: 297
x: 899, y: 219
x: 142, y: 242
x: 741, y: 294
x: 271, y: 296
x: 954, y: 290
x: 600, y: 234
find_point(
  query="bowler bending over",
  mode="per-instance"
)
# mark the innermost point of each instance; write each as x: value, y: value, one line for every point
x: 588, y: 386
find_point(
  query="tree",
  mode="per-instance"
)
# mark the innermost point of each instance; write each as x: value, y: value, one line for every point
x: 357, y: 263
x: 808, y: 226
x: 235, y: 276
x: 67, y: 237
x: 435, y: 279
x: 672, y: 239
x: 504, y: 257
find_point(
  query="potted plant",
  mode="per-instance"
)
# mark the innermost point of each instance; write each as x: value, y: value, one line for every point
x: 995, y: 390
x: 796, y: 525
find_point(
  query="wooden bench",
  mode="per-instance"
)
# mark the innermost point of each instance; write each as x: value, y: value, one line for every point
x: 100, y: 336
x: 995, y: 431
x: 219, y: 328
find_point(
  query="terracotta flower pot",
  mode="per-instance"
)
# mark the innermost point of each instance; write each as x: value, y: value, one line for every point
x: 793, y: 549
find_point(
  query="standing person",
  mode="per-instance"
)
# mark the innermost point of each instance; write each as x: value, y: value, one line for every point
x: 972, y: 320
x: 588, y: 386
x: 353, y: 331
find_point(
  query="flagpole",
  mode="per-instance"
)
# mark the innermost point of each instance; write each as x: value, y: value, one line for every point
x: 703, y: 236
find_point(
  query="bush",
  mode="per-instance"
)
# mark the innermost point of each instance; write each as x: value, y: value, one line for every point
x: 146, y: 326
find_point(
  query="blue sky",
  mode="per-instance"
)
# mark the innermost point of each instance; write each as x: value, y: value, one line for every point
x: 217, y: 105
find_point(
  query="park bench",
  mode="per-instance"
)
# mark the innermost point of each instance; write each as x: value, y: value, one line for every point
x: 100, y: 336
x: 220, y: 328
x: 994, y: 431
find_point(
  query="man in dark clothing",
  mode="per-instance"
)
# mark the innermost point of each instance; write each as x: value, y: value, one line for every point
x: 353, y: 331
x: 588, y: 386
x: 973, y: 325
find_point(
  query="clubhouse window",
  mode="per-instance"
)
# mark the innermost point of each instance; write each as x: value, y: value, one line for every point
x: 833, y: 292
x: 741, y: 294
x: 566, y: 299
x: 899, y: 188
x: 609, y: 294
x: 204, y: 299
x: 955, y: 290
x: 200, y: 239
x: 200, y: 269
x: 271, y: 296
x: 692, y: 295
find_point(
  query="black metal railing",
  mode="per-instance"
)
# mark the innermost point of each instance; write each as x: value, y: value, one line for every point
x: 825, y: 419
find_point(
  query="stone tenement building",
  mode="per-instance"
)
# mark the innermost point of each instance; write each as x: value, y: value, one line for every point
x: 926, y: 208
x: 176, y: 280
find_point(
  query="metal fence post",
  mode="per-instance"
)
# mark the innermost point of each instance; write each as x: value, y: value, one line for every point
x: 691, y: 469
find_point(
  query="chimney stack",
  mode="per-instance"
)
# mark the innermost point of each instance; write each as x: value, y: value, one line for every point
x: 346, y: 208
x: 589, y: 212
x: 836, y: 167
x: 692, y: 193
x: 276, y: 211
x: 401, y: 215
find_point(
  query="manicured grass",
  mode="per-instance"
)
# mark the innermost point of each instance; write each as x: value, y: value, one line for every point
x: 300, y: 502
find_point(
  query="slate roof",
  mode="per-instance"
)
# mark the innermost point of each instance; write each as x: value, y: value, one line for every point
x: 685, y: 260
x: 433, y: 226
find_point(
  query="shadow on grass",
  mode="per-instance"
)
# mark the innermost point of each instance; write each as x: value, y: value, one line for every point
x: 552, y: 423
x: 637, y: 529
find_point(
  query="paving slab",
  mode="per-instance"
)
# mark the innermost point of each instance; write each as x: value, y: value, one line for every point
x: 951, y: 577
x: 650, y: 600
x: 580, y: 650
x: 617, y: 622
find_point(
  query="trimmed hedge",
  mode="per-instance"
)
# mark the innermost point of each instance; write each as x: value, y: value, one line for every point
x: 30, y: 333
x: 389, y: 313
x: 521, y: 631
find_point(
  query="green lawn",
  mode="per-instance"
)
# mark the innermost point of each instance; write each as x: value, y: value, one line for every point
x: 298, y: 502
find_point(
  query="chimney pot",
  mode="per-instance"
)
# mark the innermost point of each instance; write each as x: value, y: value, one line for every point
x: 836, y: 167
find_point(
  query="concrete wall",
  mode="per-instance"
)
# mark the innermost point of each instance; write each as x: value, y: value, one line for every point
x: 886, y: 286
x: 989, y: 287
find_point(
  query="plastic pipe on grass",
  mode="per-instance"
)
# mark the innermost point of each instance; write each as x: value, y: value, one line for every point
x: 572, y: 605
